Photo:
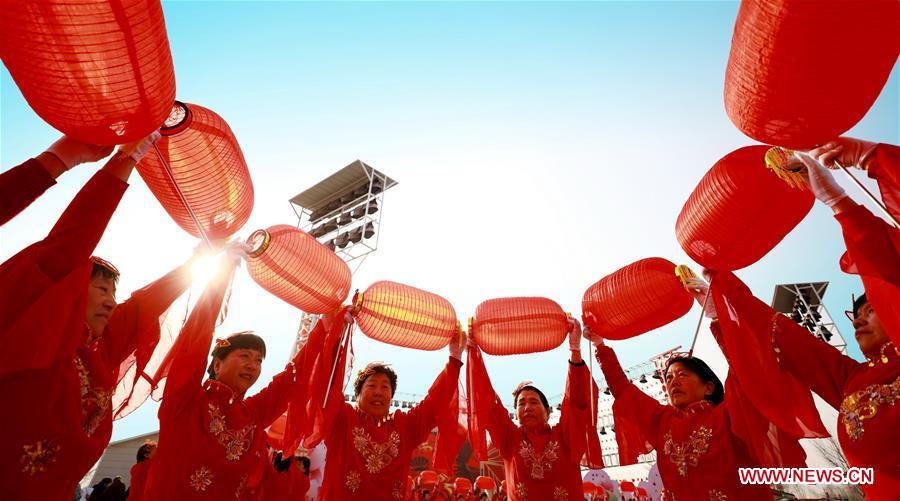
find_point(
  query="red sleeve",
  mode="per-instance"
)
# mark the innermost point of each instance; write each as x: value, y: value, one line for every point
x: 184, y: 367
x: 272, y: 400
x: 77, y: 232
x: 578, y: 416
x: 884, y: 167
x: 815, y: 363
x: 637, y: 416
x: 486, y: 411
x: 424, y: 417
x: 20, y: 186
x: 746, y: 341
x: 873, y: 252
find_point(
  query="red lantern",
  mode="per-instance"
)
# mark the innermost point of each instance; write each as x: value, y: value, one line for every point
x: 206, y: 163
x: 638, y: 298
x: 294, y: 266
x: 516, y: 325
x: 405, y: 316
x: 785, y: 84
x: 589, y: 488
x: 739, y: 211
x: 100, y: 71
x: 485, y: 484
x: 462, y: 485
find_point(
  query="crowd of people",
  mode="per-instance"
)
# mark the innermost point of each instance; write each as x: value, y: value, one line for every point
x: 76, y: 354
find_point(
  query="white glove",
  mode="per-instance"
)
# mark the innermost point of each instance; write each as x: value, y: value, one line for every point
x: 847, y: 151
x: 822, y: 182
x: 72, y: 152
x: 138, y: 149
x: 574, y: 334
x: 458, y: 345
x: 595, y: 339
x: 700, y: 290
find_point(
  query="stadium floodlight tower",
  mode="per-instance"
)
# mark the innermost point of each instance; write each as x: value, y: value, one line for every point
x: 343, y: 211
x: 803, y: 304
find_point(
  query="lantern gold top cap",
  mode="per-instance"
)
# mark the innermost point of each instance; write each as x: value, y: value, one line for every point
x: 258, y: 241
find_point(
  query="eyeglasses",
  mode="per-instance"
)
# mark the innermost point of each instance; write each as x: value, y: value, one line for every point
x: 851, y: 315
x: 863, y: 311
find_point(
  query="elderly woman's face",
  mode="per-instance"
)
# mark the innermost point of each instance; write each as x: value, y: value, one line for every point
x: 685, y: 386
x: 530, y: 410
x: 869, y: 331
x: 375, y: 396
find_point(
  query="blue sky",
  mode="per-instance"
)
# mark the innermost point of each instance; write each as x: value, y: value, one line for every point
x: 539, y: 147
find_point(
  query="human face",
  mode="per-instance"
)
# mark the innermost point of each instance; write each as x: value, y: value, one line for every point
x: 870, y: 334
x: 530, y: 410
x: 685, y: 386
x: 239, y: 370
x: 101, y: 301
x: 375, y: 396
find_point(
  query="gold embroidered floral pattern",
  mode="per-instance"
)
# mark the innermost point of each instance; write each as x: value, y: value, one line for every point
x: 560, y: 494
x: 717, y: 495
x: 241, y: 491
x: 377, y: 455
x: 36, y: 456
x: 521, y: 491
x: 236, y: 442
x: 94, y: 400
x: 538, y: 463
x: 687, y: 453
x: 201, y: 479
x: 352, y: 481
x: 863, y: 405
x: 397, y: 492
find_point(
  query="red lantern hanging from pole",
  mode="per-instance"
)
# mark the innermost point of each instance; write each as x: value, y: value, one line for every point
x: 99, y: 71
x: 295, y: 267
x: 198, y: 173
x: 787, y: 81
x: 405, y: 316
x: 635, y: 299
x: 739, y: 211
x: 516, y: 325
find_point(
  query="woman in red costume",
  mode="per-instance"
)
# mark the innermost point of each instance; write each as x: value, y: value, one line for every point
x: 139, y: 471
x: 211, y: 438
x: 542, y: 462
x: 698, y: 451
x: 70, y: 345
x: 369, y: 448
x: 24, y: 183
x: 867, y: 395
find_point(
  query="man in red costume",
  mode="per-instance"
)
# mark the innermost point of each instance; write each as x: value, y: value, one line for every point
x: 24, y: 183
x: 139, y: 471
x: 541, y: 461
x: 211, y: 438
x: 369, y: 449
x: 70, y: 344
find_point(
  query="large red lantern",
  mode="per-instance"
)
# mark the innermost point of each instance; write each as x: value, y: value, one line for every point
x: 405, y: 316
x: 516, y: 325
x: 212, y: 187
x: 638, y: 298
x: 739, y: 211
x: 294, y: 266
x: 787, y: 81
x: 100, y: 71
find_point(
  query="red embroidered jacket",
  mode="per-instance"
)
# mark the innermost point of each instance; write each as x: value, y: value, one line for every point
x: 369, y: 459
x: 56, y: 387
x: 20, y: 186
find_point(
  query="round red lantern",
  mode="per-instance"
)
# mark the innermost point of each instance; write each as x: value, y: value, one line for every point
x: 99, y: 71
x: 462, y: 485
x: 405, y: 316
x: 199, y: 174
x: 589, y: 488
x: 739, y: 211
x: 516, y: 325
x: 294, y: 266
x: 787, y: 81
x: 635, y: 299
x: 485, y: 484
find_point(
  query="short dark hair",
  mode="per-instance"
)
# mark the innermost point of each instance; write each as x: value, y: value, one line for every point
x: 246, y: 340
x: 523, y: 387
x: 859, y: 303
x: 702, y: 370
x: 369, y: 371
x: 143, y: 452
x: 105, y: 269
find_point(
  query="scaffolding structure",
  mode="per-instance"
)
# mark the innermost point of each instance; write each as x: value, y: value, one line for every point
x: 803, y: 304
